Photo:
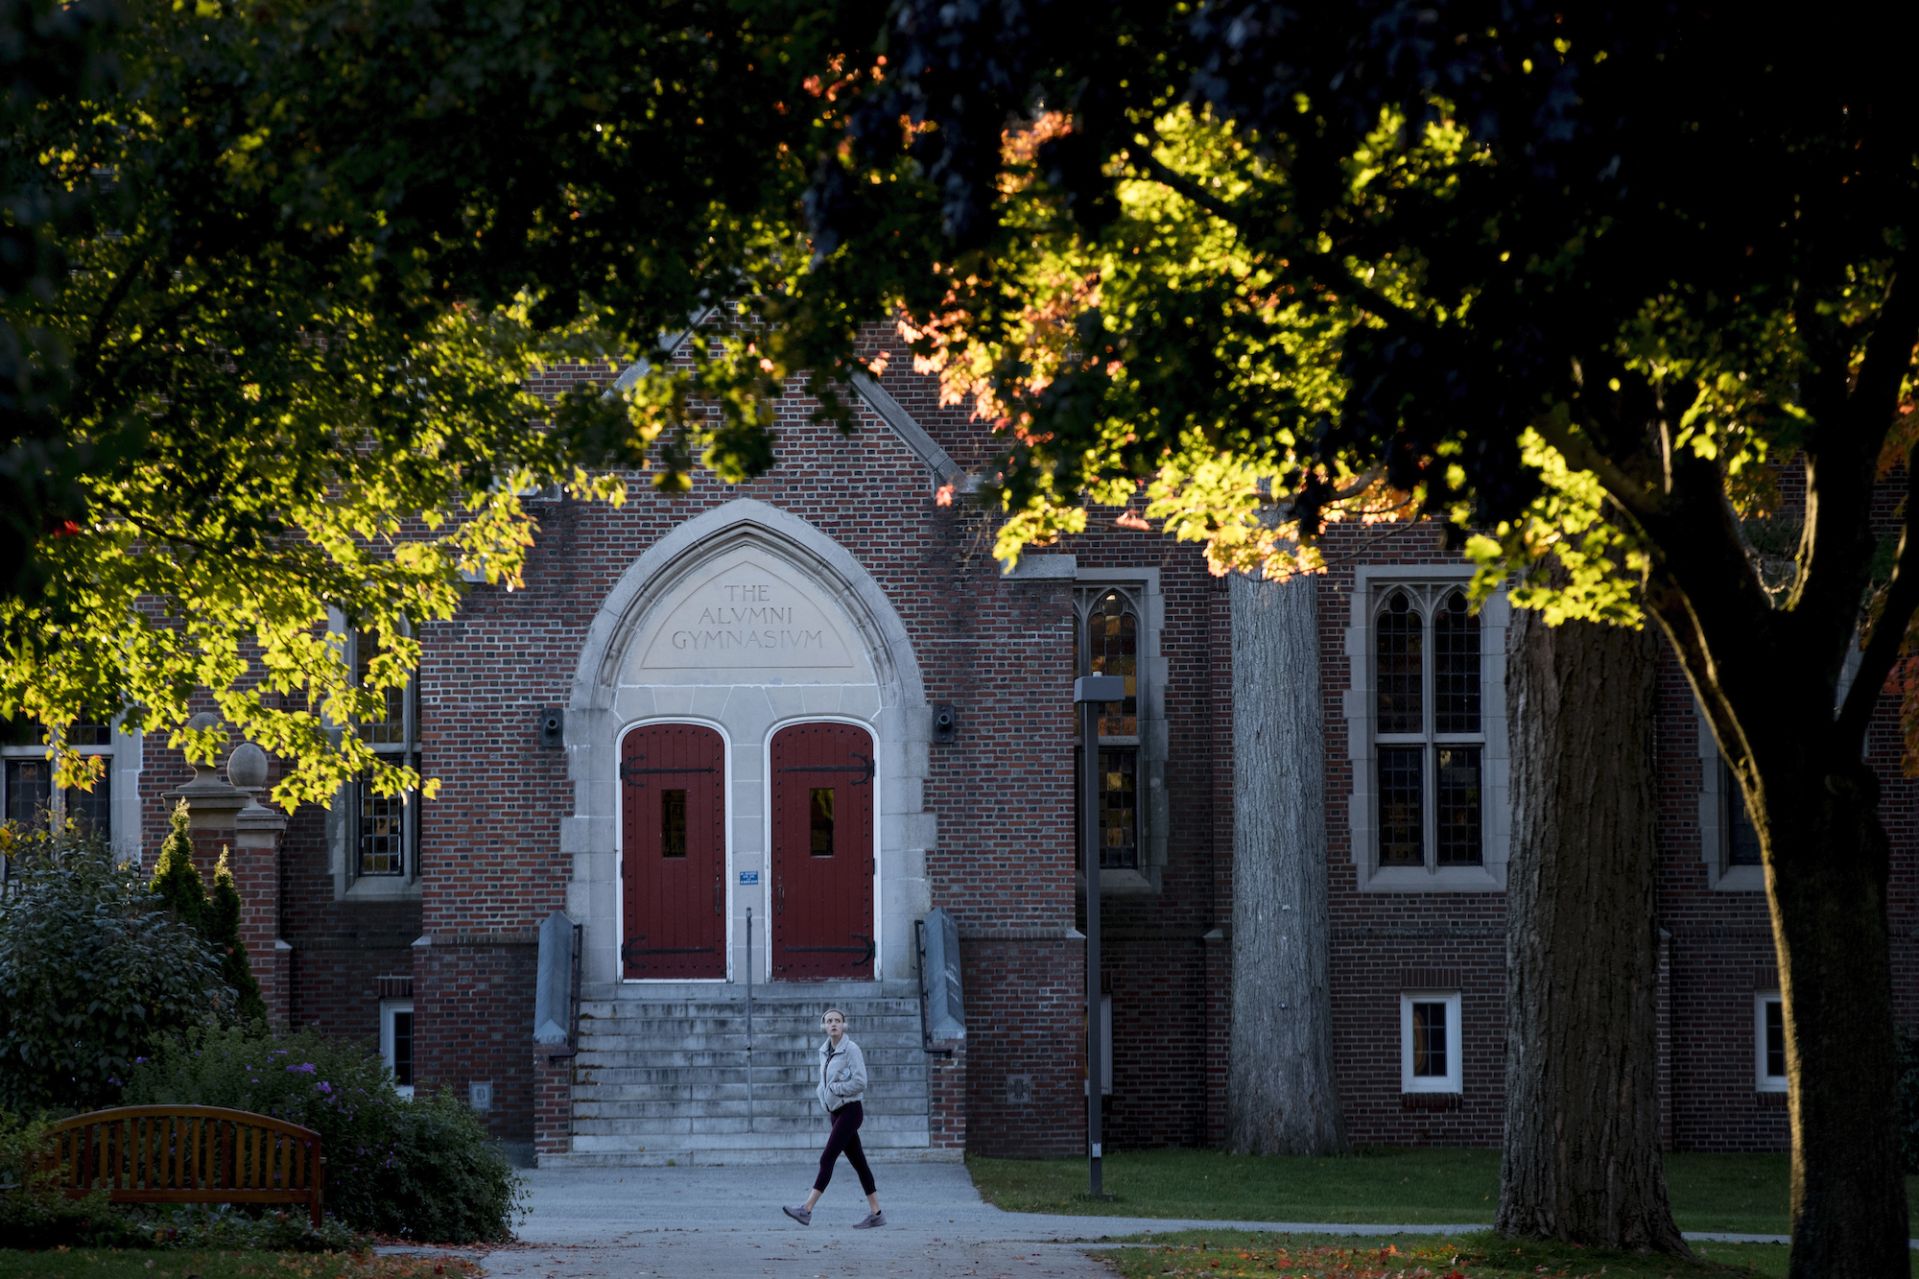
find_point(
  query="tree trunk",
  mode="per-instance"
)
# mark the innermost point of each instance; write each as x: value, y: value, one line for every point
x: 1280, y: 1096
x: 1827, y: 860
x: 1582, y: 1160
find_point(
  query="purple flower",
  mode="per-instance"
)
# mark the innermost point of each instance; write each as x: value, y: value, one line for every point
x: 304, y: 1068
x: 324, y: 1086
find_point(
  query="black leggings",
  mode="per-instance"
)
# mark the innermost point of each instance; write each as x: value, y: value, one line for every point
x: 846, y: 1136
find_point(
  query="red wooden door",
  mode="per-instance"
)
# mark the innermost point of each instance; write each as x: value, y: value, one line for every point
x: 673, y: 852
x: 822, y: 852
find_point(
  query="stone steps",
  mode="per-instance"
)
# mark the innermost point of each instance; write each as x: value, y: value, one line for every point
x: 671, y: 1073
x: 797, y: 1080
x: 684, y: 1091
x: 601, y: 1055
x: 739, y: 1107
x: 812, y: 1127
x: 726, y: 1147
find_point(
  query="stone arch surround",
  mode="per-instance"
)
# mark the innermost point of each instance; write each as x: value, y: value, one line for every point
x: 862, y: 670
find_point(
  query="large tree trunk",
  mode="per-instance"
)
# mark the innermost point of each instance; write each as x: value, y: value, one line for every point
x: 1827, y: 859
x: 1280, y: 1097
x: 1582, y: 1160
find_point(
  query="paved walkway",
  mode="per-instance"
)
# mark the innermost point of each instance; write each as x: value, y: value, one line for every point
x: 717, y: 1223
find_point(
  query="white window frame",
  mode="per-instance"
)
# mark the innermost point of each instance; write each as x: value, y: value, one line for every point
x: 122, y: 752
x: 1761, y: 1081
x: 388, y: 1007
x: 1370, y: 582
x: 1451, y: 1082
x: 1143, y: 587
x: 343, y: 817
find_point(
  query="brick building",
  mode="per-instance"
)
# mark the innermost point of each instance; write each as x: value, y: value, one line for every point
x: 749, y: 736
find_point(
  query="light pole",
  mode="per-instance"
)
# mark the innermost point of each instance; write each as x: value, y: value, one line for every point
x: 1090, y: 692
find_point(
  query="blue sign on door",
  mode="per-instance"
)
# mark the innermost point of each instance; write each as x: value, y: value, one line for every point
x: 749, y: 877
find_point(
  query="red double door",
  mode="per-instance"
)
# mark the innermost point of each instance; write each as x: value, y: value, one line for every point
x: 822, y: 890
x: 673, y: 863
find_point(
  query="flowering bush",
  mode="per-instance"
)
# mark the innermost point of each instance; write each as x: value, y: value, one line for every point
x: 93, y: 974
x: 416, y: 1169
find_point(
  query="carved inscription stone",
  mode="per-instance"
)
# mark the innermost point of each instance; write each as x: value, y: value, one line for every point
x: 746, y: 612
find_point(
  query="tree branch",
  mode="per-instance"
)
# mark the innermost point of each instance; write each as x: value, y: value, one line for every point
x: 1632, y: 496
x: 1322, y: 268
x: 1842, y: 459
x: 1895, y: 615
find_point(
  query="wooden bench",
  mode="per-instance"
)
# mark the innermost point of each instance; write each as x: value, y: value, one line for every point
x: 186, y: 1154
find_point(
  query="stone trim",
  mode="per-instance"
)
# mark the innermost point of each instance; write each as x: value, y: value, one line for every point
x: 886, y: 697
x: 711, y: 533
x: 889, y: 410
x: 670, y: 343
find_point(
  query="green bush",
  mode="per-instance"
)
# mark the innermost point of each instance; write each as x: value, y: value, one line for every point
x: 422, y: 1170
x: 33, y: 1215
x: 226, y: 1228
x: 447, y: 1181
x: 93, y: 975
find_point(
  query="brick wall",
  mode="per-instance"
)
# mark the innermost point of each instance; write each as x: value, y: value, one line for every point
x: 1025, y: 1048
x: 1001, y: 651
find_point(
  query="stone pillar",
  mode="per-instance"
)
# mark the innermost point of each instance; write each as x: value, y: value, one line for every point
x: 228, y: 815
x: 552, y: 1104
x: 257, y: 832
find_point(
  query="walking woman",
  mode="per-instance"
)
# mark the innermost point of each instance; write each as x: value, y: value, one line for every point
x: 842, y: 1085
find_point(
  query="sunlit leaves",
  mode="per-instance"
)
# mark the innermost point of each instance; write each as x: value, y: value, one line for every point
x: 1565, y: 556
x: 338, y: 248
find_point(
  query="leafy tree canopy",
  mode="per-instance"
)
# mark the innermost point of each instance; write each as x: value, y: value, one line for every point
x: 1626, y: 295
x: 281, y: 335
x: 1485, y: 263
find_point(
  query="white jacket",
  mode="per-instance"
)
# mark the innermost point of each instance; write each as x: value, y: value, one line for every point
x: 842, y: 1073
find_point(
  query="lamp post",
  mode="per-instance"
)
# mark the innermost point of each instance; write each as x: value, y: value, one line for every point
x: 1090, y: 692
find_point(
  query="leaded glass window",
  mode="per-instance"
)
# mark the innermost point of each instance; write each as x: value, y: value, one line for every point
x: 1428, y: 732
x: 385, y: 828
x: 1108, y: 639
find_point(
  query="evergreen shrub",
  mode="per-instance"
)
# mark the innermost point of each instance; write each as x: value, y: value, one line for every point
x: 214, y: 913
x: 423, y: 1169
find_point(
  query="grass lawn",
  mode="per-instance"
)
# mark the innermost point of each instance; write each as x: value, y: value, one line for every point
x: 1232, y: 1254
x: 116, y: 1263
x: 1744, y: 1194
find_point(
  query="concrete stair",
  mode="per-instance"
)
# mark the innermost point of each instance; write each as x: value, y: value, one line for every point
x: 680, y: 1073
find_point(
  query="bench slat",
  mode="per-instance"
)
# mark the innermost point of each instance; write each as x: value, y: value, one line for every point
x: 187, y: 1154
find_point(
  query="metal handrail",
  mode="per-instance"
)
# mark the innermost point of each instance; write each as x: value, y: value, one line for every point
x: 749, y: 1017
x: 573, y: 1013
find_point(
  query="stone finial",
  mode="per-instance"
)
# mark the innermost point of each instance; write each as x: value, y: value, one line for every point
x: 247, y: 767
x: 203, y: 774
